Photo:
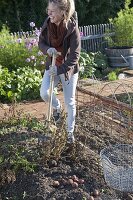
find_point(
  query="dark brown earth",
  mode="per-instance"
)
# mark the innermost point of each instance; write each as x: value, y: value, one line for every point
x: 55, y: 171
x: 56, y: 168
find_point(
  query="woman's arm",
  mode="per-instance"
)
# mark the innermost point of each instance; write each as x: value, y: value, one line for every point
x: 74, y: 54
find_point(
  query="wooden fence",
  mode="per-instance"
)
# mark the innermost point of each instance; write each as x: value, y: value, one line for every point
x: 93, y: 37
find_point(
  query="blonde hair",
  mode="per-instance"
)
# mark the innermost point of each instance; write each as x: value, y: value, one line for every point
x: 67, y: 6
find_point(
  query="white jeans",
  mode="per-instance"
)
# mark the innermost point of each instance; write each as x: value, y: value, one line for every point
x: 69, y: 89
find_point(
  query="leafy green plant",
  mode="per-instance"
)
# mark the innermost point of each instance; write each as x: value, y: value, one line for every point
x: 17, y: 157
x: 92, y: 63
x: 19, y: 52
x: 86, y: 65
x: 22, y: 84
x: 101, y: 64
x: 123, y: 26
x: 112, y: 76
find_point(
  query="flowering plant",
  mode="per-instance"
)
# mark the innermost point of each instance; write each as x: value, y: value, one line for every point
x: 20, y: 52
x: 32, y: 24
x: 21, y: 64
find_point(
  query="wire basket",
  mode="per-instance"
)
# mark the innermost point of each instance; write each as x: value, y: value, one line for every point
x: 117, y: 162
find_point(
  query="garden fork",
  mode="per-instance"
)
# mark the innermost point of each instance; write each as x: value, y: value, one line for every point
x: 50, y: 128
x: 51, y: 87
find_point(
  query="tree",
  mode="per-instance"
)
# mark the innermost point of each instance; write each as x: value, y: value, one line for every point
x: 97, y: 12
x: 17, y: 14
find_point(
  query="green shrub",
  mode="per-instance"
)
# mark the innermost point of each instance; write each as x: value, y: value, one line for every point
x: 19, y: 52
x: 22, y: 84
x: 123, y: 26
x: 92, y: 64
x: 86, y: 65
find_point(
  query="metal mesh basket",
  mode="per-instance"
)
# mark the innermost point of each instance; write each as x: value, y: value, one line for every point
x: 117, y: 162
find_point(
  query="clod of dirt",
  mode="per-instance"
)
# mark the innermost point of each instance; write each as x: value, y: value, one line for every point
x: 52, y: 163
x: 64, y: 182
x: 7, y: 176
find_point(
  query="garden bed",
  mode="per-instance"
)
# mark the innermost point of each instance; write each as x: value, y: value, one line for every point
x: 29, y: 167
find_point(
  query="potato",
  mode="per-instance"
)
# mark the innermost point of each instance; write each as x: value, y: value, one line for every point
x: 81, y: 181
x: 75, y: 184
x: 70, y: 181
x: 75, y: 178
x: 91, y: 198
x: 56, y: 183
x: 96, y: 193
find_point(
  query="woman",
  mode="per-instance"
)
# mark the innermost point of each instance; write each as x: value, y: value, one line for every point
x: 60, y: 33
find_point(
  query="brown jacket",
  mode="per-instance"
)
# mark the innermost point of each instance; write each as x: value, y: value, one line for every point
x: 71, y: 48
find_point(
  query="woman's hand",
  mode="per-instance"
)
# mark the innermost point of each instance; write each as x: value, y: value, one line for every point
x: 51, y: 51
x: 52, y: 70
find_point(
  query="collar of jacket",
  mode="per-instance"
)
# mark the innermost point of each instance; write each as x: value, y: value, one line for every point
x: 70, y: 27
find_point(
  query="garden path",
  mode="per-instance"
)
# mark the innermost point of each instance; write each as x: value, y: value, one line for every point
x: 35, y: 108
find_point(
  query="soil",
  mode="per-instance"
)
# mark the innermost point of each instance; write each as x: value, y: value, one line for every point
x: 36, y: 108
x: 74, y: 172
